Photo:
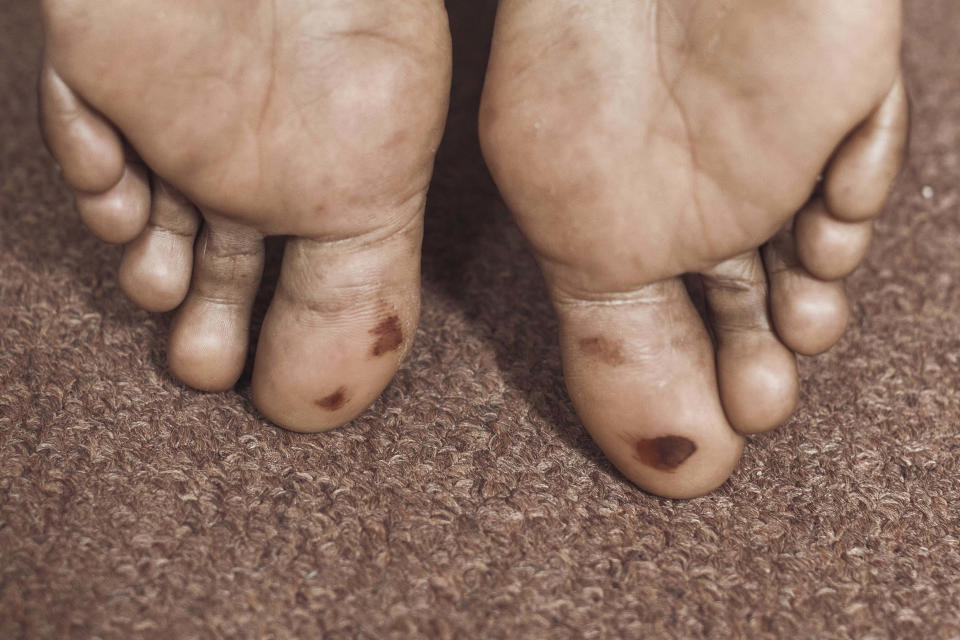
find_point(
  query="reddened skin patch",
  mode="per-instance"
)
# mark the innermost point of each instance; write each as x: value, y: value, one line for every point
x: 334, y: 401
x: 603, y: 349
x: 389, y: 336
x: 666, y: 453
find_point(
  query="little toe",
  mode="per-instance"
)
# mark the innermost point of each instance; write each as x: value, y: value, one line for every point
x: 756, y: 373
x: 86, y: 146
x: 119, y: 214
x: 209, y: 336
x: 112, y: 195
x: 829, y: 248
x: 863, y: 170
x: 809, y: 314
x: 342, y: 319
x: 640, y: 371
x: 156, y: 267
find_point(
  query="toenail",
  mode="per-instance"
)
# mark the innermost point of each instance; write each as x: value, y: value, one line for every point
x: 334, y: 401
x: 607, y: 351
x: 389, y: 336
x: 665, y: 453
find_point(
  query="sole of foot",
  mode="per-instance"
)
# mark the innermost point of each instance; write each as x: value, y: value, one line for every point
x: 191, y: 134
x: 747, y: 144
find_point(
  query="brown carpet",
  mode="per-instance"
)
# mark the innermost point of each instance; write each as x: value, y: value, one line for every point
x: 468, y: 502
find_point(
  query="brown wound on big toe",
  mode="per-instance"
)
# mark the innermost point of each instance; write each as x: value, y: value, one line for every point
x: 603, y: 349
x: 389, y: 336
x: 665, y: 453
x: 334, y: 401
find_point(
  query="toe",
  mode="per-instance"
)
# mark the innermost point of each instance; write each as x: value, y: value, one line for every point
x: 827, y: 247
x: 112, y: 195
x: 860, y: 176
x: 87, y: 148
x: 756, y: 373
x: 119, y: 214
x: 342, y: 318
x: 808, y: 314
x: 156, y: 266
x: 208, y: 340
x: 640, y: 371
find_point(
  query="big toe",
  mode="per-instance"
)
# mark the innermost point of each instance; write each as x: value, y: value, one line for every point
x: 341, y: 321
x: 640, y: 371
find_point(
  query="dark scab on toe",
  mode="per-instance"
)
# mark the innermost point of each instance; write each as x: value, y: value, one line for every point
x: 666, y: 453
x: 334, y: 401
x: 603, y: 349
x: 389, y: 336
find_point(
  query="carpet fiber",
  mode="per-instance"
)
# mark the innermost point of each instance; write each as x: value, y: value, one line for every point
x: 468, y: 501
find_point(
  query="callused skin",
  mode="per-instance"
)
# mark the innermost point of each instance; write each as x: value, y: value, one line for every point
x: 637, y: 141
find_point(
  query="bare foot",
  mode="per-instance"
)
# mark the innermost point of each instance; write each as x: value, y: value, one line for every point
x: 239, y: 119
x: 637, y: 141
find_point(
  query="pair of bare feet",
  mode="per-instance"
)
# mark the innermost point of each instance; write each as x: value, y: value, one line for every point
x: 635, y: 141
